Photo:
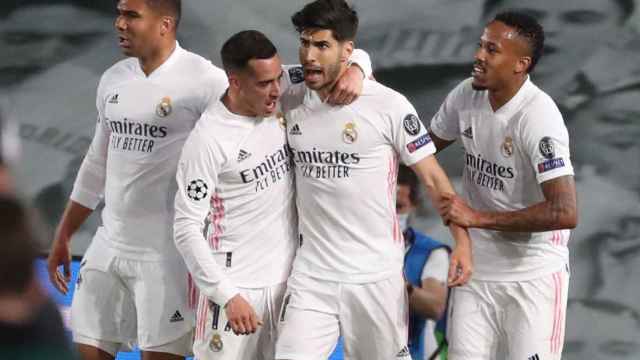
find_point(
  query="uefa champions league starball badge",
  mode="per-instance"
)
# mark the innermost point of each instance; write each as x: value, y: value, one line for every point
x: 216, y: 344
x: 164, y: 108
x: 507, y: 146
x: 349, y: 134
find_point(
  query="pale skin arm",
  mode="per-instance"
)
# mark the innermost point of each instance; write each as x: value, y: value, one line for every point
x: 557, y: 211
x: 73, y: 217
x: 429, y: 300
x: 438, y: 188
x: 348, y: 87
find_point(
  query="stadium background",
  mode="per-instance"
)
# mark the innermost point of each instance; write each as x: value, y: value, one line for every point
x: 53, y: 52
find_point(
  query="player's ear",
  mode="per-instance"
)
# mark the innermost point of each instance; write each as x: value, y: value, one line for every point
x: 167, y: 25
x: 234, y: 80
x: 347, y: 50
x: 522, y: 65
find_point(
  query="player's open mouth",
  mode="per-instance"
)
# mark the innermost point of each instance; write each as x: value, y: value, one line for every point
x: 124, y: 42
x: 478, y: 70
x: 312, y: 74
x: 271, y: 106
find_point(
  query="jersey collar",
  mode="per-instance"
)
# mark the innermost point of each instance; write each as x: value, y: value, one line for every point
x: 167, y: 64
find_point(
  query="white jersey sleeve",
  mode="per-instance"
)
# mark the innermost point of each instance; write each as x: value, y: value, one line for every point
x: 437, y: 266
x: 362, y: 59
x: 409, y: 136
x: 196, y: 177
x: 445, y: 123
x: 546, y: 140
x: 88, y: 188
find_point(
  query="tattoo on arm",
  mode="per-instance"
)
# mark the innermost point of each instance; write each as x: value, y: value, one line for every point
x: 557, y: 211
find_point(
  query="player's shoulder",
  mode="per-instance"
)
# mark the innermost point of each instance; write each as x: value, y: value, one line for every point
x: 464, y: 93
x: 375, y: 93
x: 219, y: 124
x: 196, y: 64
x: 538, y: 98
x: 120, y: 70
x: 539, y: 107
x: 118, y: 73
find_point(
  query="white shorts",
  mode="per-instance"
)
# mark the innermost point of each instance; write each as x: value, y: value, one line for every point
x: 118, y: 302
x: 215, y: 339
x: 371, y: 317
x: 508, y: 320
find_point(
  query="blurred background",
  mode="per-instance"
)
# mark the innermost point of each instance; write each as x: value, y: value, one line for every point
x: 54, y: 51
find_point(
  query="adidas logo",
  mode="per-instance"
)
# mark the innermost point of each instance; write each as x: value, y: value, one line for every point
x: 295, y: 130
x: 176, y: 317
x: 403, y: 353
x: 468, y: 133
x: 243, y: 155
x: 534, y: 357
x: 114, y: 99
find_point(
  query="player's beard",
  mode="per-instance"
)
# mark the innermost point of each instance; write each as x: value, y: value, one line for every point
x: 478, y: 87
x: 332, y: 73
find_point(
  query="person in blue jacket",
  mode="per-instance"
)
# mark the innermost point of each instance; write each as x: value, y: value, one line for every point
x: 426, y: 265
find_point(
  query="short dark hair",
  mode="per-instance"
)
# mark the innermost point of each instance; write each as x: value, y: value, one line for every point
x: 527, y: 28
x: 627, y: 7
x: 167, y: 7
x: 407, y: 177
x: 334, y: 15
x: 18, y: 247
x: 244, y: 46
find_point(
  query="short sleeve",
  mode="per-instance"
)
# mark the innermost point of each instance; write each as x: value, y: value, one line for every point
x: 437, y: 266
x: 409, y: 135
x: 546, y: 141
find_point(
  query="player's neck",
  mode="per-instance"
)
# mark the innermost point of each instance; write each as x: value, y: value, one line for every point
x: 150, y: 62
x: 500, y: 96
x: 325, y: 91
x: 233, y: 103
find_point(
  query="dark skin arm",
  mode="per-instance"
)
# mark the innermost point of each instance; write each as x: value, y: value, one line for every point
x: 73, y: 217
x: 557, y: 211
x: 429, y: 300
x: 440, y: 144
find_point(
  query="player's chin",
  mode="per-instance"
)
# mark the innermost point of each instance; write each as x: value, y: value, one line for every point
x: 127, y: 51
x: 478, y: 85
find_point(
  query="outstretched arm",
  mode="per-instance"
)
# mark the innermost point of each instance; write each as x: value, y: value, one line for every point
x: 557, y: 211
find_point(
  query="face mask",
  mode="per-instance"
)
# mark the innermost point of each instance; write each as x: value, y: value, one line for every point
x: 403, y: 221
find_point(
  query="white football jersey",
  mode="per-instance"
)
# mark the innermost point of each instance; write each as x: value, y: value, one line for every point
x: 508, y: 153
x: 346, y: 163
x: 240, y: 168
x: 143, y: 122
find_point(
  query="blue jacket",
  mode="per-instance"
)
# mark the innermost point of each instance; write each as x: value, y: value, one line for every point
x: 414, y: 261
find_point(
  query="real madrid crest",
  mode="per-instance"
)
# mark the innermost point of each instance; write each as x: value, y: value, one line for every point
x: 216, y: 344
x: 507, y: 146
x: 349, y: 134
x: 164, y: 108
x: 281, y: 120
